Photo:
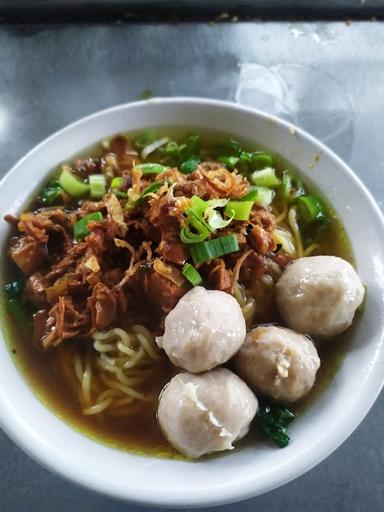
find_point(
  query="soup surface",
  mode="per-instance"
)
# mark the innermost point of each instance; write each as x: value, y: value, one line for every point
x: 87, y: 370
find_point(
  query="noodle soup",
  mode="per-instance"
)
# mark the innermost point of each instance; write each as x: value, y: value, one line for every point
x: 115, y: 240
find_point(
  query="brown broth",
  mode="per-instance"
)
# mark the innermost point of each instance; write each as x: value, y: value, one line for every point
x: 139, y: 432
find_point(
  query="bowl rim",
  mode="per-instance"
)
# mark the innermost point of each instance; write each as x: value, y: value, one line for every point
x: 9, y: 421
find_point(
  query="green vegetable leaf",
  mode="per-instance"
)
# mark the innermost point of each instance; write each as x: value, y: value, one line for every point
x: 273, y: 421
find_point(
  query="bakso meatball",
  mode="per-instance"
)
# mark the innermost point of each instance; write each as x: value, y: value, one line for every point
x: 278, y: 362
x: 204, y: 330
x: 319, y: 295
x: 205, y: 413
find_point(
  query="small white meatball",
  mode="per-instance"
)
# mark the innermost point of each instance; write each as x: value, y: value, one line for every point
x: 319, y: 295
x: 205, y: 413
x: 278, y: 362
x: 204, y: 330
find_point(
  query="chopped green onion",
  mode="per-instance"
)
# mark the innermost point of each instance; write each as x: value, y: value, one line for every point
x: 72, y: 185
x: 189, y: 166
x: 80, y: 229
x: 151, y: 168
x: 291, y: 188
x: 265, y: 178
x: 213, y: 217
x: 214, y: 248
x: 190, y: 273
x: 116, y: 184
x: 264, y: 195
x: 50, y: 193
x: 311, y: 209
x: 260, y: 160
x: 229, y: 161
x: 97, y: 184
x: 238, y: 210
x: 273, y: 421
x: 200, y: 233
x: 199, y: 205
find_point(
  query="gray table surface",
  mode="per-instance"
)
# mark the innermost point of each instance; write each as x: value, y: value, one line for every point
x: 326, y: 77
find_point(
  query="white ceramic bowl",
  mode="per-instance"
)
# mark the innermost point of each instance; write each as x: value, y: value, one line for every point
x: 253, y: 470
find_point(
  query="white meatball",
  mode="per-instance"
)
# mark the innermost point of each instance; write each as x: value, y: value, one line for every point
x: 205, y: 413
x: 204, y: 330
x: 278, y: 362
x: 319, y: 295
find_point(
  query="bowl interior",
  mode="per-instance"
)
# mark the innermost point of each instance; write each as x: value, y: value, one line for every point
x: 250, y: 470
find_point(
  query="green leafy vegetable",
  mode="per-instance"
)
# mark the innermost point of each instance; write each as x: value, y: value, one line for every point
x: 80, y: 229
x: 71, y: 184
x: 50, y: 193
x: 14, y: 292
x: 97, y: 184
x: 214, y: 248
x: 273, y: 421
x: 311, y: 209
x: 265, y: 178
x: 190, y: 273
x: 239, y: 210
x: 14, y: 289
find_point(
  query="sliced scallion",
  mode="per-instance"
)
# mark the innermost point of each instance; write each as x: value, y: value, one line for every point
x: 200, y: 230
x: 97, y: 184
x: 265, y: 178
x: 72, y: 185
x: 151, y: 168
x: 190, y: 273
x: 80, y: 229
x: 214, y: 248
x: 238, y: 210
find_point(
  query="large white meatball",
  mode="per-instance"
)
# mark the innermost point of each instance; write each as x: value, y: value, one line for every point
x: 205, y: 413
x: 204, y: 330
x: 319, y: 295
x: 278, y: 362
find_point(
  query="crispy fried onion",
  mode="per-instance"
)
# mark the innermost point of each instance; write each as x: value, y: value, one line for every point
x: 225, y: 182
x: 169, y: 272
